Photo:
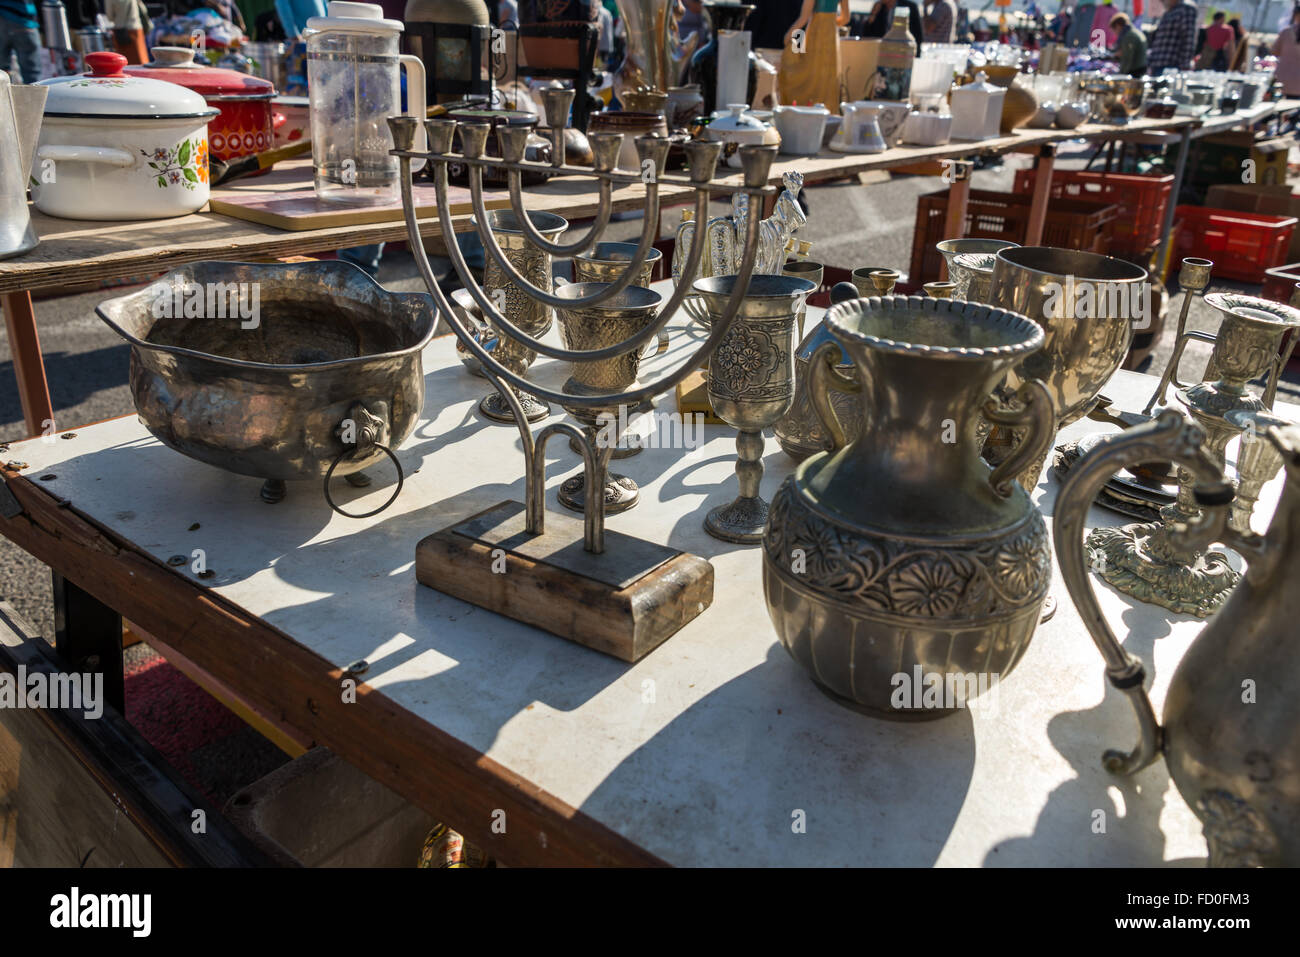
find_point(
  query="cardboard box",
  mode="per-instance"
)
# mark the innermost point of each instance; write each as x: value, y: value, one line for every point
x: 1269, y: 199
x: 858, y: 59
x: 1222, y: 159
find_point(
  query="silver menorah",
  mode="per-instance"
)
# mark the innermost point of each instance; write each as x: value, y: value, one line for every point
x: 702, y: 159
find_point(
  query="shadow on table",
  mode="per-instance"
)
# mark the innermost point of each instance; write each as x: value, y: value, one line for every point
x: 1098, y: 819
x: 837, y: 789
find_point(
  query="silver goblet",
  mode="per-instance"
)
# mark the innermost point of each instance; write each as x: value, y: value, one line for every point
x: 597, y: 327
x: 751, y: 385
x: 532, y: 316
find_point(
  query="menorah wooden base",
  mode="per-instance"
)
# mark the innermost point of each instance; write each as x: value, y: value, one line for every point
x: 624, y: 602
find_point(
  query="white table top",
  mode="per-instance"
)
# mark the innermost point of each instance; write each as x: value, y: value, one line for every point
x: 702, y: 752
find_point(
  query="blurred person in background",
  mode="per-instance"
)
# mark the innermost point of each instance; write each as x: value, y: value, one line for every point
x: 769, y: 24
x: 939, y: 25
x: 1173, y: 45
x: 692, y: 21
x: 1241, y: 52
x: 881, y: 19
x: 1287, y: 50
x: 131, y: 24
x: 810, y: 61
x: 1060, y: 25
x: 1219, y: 40
x: 20, y: 36
x: 1130, y: 46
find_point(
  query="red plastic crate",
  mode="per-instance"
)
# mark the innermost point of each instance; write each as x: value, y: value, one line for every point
x: 1070, y: 223
x: 1242, y: 246
x: 1280, y: 282
x: 1142, y: 201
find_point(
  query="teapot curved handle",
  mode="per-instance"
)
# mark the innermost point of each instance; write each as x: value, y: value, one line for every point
x: 1170, y: 437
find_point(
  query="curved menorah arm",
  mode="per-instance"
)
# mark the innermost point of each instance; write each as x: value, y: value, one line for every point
x: 508, y: 328
x: 651, y: 149
x: 605, y: 206
x: 489, y: 362
x: 595, y: 463
x: 648, y: 232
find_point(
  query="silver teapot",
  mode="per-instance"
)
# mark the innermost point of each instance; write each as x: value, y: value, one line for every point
x: 1231, y: 729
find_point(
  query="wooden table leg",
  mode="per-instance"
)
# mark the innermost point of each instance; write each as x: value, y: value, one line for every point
x: 1042, y: 192
x: 29, y: 364
x: 88, y: 638
x: 957, y: 173
x: 1180, y: 169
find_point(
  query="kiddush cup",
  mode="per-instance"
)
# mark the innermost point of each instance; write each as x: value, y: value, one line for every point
x: 597, y: 327
x: 606, y: 262
x: 528, y: 314
x: 751, y: 385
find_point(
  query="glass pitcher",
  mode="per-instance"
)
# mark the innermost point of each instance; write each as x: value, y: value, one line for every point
x: 353, y: 86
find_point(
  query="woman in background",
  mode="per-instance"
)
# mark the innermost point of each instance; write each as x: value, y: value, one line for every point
x: 810, y: 62
x: 1241, y: 53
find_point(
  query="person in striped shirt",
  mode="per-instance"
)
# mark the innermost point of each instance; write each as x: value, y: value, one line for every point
x: 20, y: 34
x: 1174, y: 42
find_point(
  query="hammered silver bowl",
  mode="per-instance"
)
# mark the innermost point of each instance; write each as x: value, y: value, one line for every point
x: 272, y: 395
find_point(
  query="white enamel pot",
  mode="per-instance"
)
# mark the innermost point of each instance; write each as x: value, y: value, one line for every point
x: 114, y: 147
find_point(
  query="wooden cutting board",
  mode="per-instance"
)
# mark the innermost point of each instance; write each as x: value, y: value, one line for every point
x: 284, y: 198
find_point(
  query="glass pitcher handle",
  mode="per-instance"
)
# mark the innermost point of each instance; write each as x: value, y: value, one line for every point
x: 1170, y: 437
x: 415, y: 102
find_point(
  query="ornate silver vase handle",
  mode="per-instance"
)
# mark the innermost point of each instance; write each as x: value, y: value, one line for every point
x: 1170, y: 437
x: 1036, y: 412
x: 824, y: 376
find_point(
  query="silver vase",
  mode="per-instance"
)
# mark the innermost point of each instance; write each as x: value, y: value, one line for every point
x: 899, y: 560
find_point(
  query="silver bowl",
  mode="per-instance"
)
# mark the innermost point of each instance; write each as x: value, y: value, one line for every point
x: 270, y: 384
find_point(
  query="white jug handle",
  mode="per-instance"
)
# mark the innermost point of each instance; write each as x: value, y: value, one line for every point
x: 415, y: 105
x: 85, y: 154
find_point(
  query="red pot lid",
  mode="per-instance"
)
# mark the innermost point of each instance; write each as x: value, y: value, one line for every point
x: 177, y: 65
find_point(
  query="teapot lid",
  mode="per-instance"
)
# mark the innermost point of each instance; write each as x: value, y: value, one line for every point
x: 736, y: 119
x: 981, y: 85
x: 345, y: 16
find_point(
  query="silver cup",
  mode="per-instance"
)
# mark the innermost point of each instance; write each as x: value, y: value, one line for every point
x: 521, y: 309
x: 598, y: 327
x: 751, y: 385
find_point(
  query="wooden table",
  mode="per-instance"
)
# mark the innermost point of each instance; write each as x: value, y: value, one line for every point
x: 707, y: 751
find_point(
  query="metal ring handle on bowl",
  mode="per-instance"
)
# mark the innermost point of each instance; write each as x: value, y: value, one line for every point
x: 401, y: 478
